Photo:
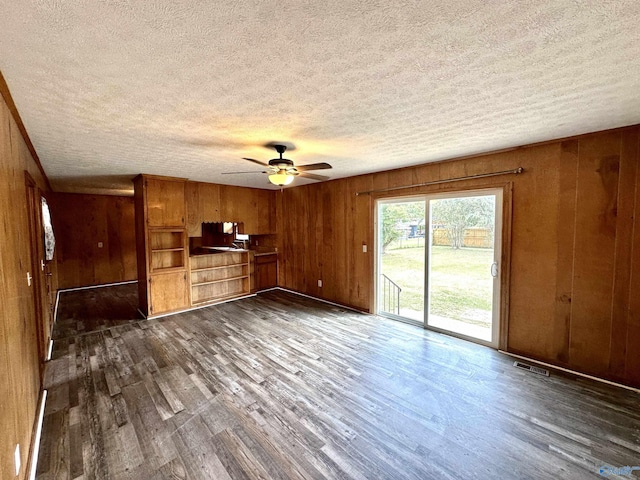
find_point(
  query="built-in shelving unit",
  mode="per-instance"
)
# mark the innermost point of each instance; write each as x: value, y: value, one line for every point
x: 167, y: 249
x: 161, y: 243
x: 219, y: 276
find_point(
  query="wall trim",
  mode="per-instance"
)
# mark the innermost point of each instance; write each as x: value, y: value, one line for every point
x: 191, y: 309
x: 6, y: 94
x: 73, y: 289
x: 35, y: 446
x: 318, y: 299
x: 573, y: 372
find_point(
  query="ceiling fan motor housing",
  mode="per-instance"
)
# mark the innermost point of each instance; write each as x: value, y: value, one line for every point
x: 280, y: 163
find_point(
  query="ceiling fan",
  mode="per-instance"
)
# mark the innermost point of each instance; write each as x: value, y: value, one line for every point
x: 282, y: 171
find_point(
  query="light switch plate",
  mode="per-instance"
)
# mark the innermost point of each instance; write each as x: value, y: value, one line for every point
x: 364, y: 249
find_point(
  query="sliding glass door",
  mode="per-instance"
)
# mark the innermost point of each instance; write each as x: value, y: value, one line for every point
x: 401, y: 258
x: 438, y: 262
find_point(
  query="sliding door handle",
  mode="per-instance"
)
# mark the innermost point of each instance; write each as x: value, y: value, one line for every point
x: 494, y: 269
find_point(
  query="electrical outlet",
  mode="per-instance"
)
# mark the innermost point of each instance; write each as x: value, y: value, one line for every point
x: 364, y: 248
x: 100, y: 244
x: 16, y: 459
x: 319, y: 283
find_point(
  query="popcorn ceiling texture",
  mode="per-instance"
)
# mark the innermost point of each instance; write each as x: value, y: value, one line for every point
x: 109, y: 89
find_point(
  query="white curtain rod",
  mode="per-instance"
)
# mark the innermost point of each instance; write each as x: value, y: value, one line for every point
x: 516, y: 171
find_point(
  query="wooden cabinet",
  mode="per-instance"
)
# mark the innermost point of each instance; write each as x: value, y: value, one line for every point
x: 166, y: 205
x: 219, y: 276
x: 251, y: 208
x: 168, y: 292
x: 161, y: 244
x: 265, y: 271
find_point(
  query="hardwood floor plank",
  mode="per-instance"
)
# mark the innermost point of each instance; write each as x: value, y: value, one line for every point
x: 281, y: 386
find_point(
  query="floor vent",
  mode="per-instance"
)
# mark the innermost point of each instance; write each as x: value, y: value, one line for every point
x: 532, y: 369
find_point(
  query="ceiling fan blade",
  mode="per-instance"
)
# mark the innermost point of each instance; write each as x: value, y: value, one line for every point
x: 256, y: 161
x: 233, y: 173
x: 313, y: 176
x: 313, y: 166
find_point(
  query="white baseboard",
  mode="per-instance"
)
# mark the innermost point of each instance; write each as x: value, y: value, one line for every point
x: 96, y: 286
x: 572, y: 372
x: 35, y: 451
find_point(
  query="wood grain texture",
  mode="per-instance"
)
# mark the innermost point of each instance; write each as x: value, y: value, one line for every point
x: 322, y: 229
x: 632, y: 362
x: 82, y: 221
x: 161, y: 244
x: 572, y: 295
x: 594, y: 254
x: 252, y: 208
x: 165, y: 202
x: 19, y: 362
x: 283, y: 387
x: 5, y: 93
x: 265, y: 271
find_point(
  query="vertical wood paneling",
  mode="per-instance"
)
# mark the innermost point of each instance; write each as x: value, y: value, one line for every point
x: 19, y: 363
x: 533, y: 251
x: 574, y: 298
x: 564, y: 256
x: 632, y: 362
x: 80, y: 222
x: 208, y: 202
x: 594, y: 255
x: 623, y: 251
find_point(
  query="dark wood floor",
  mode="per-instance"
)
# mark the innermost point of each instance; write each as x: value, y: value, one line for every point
x: 280, y: 386
x: 84, y: 311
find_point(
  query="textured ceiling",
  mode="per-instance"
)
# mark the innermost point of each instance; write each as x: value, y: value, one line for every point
x: 109, y: 89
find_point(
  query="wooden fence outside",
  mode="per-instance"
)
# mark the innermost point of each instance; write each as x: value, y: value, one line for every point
x: 478, y: 237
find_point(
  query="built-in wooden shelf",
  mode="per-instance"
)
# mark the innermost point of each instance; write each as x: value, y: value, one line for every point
x: 218, y: 281
x: 219, y: 266
x: 219, y: 276
x: 167, y: 250
x: 219, y: 299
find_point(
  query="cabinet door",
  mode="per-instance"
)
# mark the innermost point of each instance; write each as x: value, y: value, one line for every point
x: 266, y: 272
x: 168, y: 292
x: 166, y: 206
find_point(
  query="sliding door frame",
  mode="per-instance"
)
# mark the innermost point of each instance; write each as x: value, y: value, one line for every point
x: 378, y: 255
x: 505, y: 252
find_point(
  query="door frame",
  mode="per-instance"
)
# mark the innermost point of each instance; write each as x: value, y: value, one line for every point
x: 36, y: 252
x: 505, y: 254
x: 378, y: 254
x: 497, y: 247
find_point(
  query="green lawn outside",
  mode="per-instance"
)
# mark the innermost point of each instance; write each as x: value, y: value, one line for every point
x: 461, y: 281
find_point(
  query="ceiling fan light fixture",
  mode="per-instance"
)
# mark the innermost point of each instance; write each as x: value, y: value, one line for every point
x: 280, y: 179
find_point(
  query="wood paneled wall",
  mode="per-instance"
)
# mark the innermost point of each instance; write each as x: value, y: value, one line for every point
x: 574, y: 296
x: 19, y: 363
x: 209, y: 202
x: 82, y: 221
